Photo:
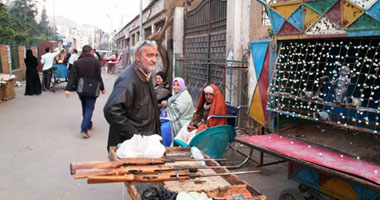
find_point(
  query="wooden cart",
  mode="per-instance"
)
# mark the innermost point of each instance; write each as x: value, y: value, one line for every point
x: 214, y: 187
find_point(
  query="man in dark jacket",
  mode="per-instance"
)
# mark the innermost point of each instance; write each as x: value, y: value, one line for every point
x: 132, y: 106
x: 85, y: 67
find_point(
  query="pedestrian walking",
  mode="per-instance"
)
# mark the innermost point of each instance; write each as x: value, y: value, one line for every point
x: 74, y: 57
x: 86, y: 73
x: 132, y: 106
x: 47, y: 60
x: 33, y: 83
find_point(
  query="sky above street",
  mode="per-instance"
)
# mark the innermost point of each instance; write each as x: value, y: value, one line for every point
x: 105, y: 14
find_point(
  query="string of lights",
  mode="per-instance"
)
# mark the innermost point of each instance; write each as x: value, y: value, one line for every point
x: 336, y: 81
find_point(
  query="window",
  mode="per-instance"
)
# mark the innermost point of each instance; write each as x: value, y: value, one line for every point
x: 266, y: 20
x: 159, y: 25
x: 133, y: 40
x: 147, y: 32
x: 265, y: 17
x: 15, y: 57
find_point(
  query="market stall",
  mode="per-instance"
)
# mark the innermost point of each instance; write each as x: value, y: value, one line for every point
x: 212, y: 180
x: 317, y: 88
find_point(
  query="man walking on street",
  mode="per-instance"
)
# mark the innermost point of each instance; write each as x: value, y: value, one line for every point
x: 47, y: 60
x: 74, y: 57
x: 85, y: 67
x: 132, y: 106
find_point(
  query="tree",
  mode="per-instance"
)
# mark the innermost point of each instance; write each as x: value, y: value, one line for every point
x: 10, y: 28
x: 159, y: 35
x: 18, y: 24
x: 25, y: 11
x: 44, y: 24
x: 5, y: 30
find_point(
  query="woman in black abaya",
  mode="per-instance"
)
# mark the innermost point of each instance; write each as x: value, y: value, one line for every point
x: 33, y: 83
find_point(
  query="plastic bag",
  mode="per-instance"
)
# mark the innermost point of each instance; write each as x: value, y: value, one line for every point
x: 197, y: 154
x: 141, y: 147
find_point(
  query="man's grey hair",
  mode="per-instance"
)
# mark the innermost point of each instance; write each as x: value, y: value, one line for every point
x: 140, y: 44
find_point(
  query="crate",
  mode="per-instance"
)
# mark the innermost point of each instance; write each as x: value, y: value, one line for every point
x: 7, y: 91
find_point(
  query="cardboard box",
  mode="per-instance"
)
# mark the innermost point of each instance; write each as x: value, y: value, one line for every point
x: 7, y: 89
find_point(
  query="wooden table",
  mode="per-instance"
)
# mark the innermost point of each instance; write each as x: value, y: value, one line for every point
x: 217, y: 186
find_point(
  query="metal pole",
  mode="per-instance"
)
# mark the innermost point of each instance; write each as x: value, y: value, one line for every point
x: 141, y: 32
x: 112, y: 33
x: 55, y: 37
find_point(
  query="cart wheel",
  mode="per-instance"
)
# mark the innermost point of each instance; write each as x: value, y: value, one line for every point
x: 302, y: 188
x: 54, y: 83
x: 291, y: 195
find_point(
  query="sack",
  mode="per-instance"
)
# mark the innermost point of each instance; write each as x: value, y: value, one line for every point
x: 136, y: 147
x: 88, y: 87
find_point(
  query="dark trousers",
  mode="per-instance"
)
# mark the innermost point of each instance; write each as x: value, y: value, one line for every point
x: 88, y: 105
x: 46, y: 79
x: 69, y: 70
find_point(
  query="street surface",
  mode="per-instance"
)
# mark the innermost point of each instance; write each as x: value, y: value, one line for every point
x: 40, y: 137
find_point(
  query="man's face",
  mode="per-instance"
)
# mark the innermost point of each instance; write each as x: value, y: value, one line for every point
x: 209, y: 97
x: 147, y: 58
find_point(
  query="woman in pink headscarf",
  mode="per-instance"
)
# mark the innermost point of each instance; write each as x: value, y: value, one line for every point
x: 179, y: 107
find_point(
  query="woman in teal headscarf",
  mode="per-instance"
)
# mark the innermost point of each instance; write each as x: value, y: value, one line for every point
x: 179, y: 107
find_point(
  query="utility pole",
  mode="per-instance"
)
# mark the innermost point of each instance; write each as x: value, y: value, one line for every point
x: 141, y: 29
x: 112, y: 33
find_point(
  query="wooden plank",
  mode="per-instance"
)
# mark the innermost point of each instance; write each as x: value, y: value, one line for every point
x: 217, y: 186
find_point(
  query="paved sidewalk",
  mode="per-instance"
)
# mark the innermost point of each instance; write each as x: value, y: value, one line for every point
x: 40, y: 136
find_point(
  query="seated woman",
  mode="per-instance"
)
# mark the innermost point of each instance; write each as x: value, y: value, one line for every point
x: 211, y: 102
x: 179, y: 109
x: 162, y: 88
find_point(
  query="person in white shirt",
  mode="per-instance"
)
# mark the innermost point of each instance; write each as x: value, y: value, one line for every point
x: 47, y: 61
x: 74, y: 57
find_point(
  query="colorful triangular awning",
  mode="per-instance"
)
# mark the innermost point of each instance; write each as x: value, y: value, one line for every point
x: 334, y: 14
x: 303, y: 16
x: 276, y: 20
x: 321, y: 7
x: 286, y: 10
x: 350, y: 13
x: 365, y: 22
x: 297, y: 19
x: 260, y: 57
x: 374, y: 11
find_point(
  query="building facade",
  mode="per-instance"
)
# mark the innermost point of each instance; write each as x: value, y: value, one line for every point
x: 204, y: 33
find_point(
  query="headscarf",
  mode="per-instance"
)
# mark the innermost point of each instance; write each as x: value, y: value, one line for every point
x: 162, y: 74
x: 29, y: 54
x: 218, y: 107
x: 208, y: 89
x: 181, y: 82
x: 30, y: 58
x: 163, y: 90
